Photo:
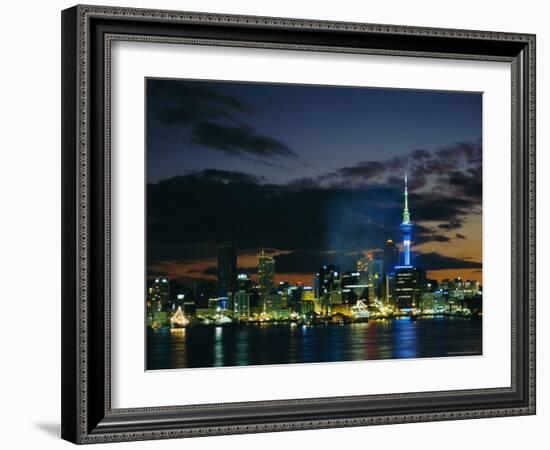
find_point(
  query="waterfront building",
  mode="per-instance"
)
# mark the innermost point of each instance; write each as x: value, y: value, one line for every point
x: 354, y: 287
x: 283, y: 286
x: 294, y: 297
x: 266, y: 273
x: 189, y: 306
x: 157, y: 319
x: 445, y: 284
x: 350, y: 278
x: 241, y: 304
x: 388, y: 290
x: 285, y: 290
x: 433, y: 302
x: 329, y: 287
x: 431, y: 285
x: 203, y: 313
x: 325, y: 303
x: 308, y: 293
x: 160, y: 295
x: 272, y: 302
x: 180, y: 298
x: 409, y: 285
x: 227, y: 269
x: 336, y: 297
x: 202, y: 291
x: 306, y: 308
x: 213, y: 303
x: 329, y: 279
x: 244, y: 282
x: 390, y: 257
x: 374, y: 278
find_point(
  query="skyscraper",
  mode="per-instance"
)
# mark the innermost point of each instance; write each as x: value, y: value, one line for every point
x: 390, y: 257
x: 329, y: 279
x: 328, y: 287
x: 160, y: 294
x: 244, y: 282
x: 227, y: 269
x: 406, y: 228
x: 272, y: 302
x: 241, y: 304
x: 266, y: 273
x: 409, y: 283
x: 374, y: 277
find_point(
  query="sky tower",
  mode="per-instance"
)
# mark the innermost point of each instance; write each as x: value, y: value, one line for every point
x: 406, y: 227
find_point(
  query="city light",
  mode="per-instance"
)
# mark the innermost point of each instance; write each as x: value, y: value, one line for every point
x: 383, y: 285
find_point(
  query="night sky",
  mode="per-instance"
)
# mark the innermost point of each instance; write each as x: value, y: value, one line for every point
x: 313, y: 174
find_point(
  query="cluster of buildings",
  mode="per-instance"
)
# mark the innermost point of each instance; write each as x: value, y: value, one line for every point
x: 383, y: 284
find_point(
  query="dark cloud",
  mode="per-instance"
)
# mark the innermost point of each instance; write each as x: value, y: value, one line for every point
x: 435, y: 238
x: 366, y: 170
x: 452, y: 225
x: 183, y: 103
x: 213, y: 205
x: 238, y: 140
x: 453, y: 172
x: 436, y: 261
x: 156, y: 273
x: 171, y: 248
x: 211, y: 118
x: 319, y: 221
x: 420, y: 154
x: 444, y: 186
x: 226, y: 176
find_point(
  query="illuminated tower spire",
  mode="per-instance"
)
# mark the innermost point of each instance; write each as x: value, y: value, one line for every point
x: 406, y: 227
x: 406, y: 215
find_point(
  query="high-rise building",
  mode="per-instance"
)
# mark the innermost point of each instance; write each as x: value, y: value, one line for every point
x: 227, y: 269
x: 362, y: 264
x: 388, y: 289
x: 272, y: 302
x: 160, y: 294
x: 350, y: 278
x: 241, y: 304
x: 406, y: 228
x: 329, y: 279
x: 294, y: 297
x: 390, y: 257
x: 374, y: 277
x: 354, y: 287
x: 244, y: 282
x: 374, y: 267
x: 328, y: 287
x: 409, y: 284
x: 266, y: 273
x: 308, y: 294
x: 202, y: 291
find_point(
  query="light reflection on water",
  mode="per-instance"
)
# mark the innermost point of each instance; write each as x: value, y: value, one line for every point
x: 218, y: 347
x: 285, y: 343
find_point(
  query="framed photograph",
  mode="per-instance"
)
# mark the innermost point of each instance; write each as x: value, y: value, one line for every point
x: 278, y: 224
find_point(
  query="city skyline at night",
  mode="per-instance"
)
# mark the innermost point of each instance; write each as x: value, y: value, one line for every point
x: 296, y: 223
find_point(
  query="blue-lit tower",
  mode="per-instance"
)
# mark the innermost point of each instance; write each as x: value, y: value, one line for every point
x: 406, y: 228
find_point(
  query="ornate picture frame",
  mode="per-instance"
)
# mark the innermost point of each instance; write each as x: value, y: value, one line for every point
x: 87, y: 413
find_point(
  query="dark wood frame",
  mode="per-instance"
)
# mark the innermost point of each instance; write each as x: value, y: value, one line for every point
x: 87, y: 32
